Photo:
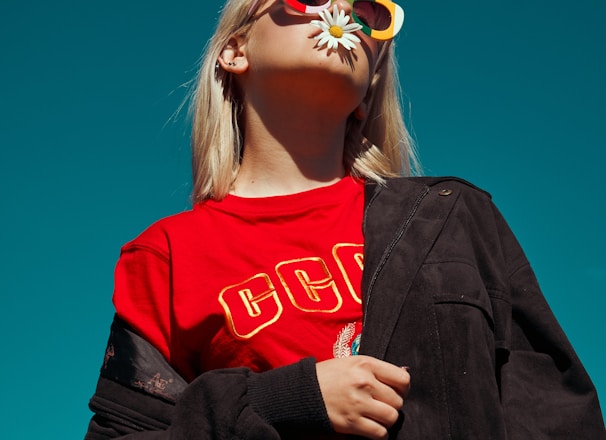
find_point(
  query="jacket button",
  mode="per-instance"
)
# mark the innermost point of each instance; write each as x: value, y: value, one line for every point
x: 445, y: 192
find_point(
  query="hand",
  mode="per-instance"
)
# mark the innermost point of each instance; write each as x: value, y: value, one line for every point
x: 362, y: 394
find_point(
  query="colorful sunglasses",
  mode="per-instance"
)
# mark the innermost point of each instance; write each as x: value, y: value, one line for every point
x: 380, y: 19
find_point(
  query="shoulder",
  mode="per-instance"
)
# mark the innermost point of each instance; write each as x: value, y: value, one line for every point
x: 451, y: 199
x: 158, y: 236
x: 439, y: 183
x: 429, y: 189
x: 458, y: 182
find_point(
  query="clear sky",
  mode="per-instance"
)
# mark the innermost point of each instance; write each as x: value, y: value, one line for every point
x: 507, y: 94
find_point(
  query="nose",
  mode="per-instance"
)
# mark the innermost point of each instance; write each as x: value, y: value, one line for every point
x: 344, y: 5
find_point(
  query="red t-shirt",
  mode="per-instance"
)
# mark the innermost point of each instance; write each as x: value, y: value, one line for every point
x: 257, y: 282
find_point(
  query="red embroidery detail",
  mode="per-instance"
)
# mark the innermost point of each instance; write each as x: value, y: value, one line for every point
x: 109, y: 353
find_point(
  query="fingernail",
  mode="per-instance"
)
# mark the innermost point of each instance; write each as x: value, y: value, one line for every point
x: 405, y: 367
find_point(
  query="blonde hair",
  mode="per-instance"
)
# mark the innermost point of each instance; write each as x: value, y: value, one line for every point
x: 377, y: 147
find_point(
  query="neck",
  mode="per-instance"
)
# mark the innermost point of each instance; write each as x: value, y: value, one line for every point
x: 288, y: 149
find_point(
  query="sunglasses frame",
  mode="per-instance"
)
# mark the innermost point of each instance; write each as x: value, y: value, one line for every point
x: 395, y: 10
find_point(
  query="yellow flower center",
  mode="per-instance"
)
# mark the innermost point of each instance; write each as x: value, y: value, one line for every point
x: 335, y: 31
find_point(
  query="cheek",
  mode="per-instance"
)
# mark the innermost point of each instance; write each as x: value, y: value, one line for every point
x: 371, y: 48
x: 280, y: 44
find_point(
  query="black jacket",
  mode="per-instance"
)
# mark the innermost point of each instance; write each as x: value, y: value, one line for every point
x: 447, y: 291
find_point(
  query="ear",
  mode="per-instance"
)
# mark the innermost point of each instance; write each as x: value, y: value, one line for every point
x: 360, y: 111
x: 233, y: 56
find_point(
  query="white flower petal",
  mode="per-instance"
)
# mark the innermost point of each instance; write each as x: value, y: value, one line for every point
x: 351, y: 27
x: 337, y: 19
x: 320, y: 24
x: 346, y: 44
x: 351, y: 37
x: 325, y: 39
x: 336, y: 14
x: 327, y: 17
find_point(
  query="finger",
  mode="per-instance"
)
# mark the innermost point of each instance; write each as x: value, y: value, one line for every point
x: 369, y: 428
x: 396, y: 377
x: 387, y: 395
x: 381, y: 413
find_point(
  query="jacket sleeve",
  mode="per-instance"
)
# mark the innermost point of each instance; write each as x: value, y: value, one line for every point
x: 141, y: 394
x: 140, y: 397
x: 545, y: 391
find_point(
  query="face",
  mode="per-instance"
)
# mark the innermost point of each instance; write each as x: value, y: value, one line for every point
x: 381, y: 19
x: 284, y: 59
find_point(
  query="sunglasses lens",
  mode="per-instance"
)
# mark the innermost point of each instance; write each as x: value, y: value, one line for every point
x: 372, y: 14
x: 312, y: 3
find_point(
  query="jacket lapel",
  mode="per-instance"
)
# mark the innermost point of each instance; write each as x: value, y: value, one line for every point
x: 402, y: 221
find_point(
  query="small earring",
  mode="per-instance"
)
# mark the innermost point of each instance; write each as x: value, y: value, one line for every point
x: 231, y: 63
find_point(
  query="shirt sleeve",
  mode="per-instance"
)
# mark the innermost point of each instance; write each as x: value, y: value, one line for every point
x: 142, y: 288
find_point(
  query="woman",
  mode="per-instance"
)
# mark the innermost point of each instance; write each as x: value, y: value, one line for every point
x: 287, y: 302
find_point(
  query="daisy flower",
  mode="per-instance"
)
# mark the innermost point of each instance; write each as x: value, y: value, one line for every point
x: 336, y: 30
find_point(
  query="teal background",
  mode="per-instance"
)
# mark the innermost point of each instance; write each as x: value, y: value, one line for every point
x: 507, y: 94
